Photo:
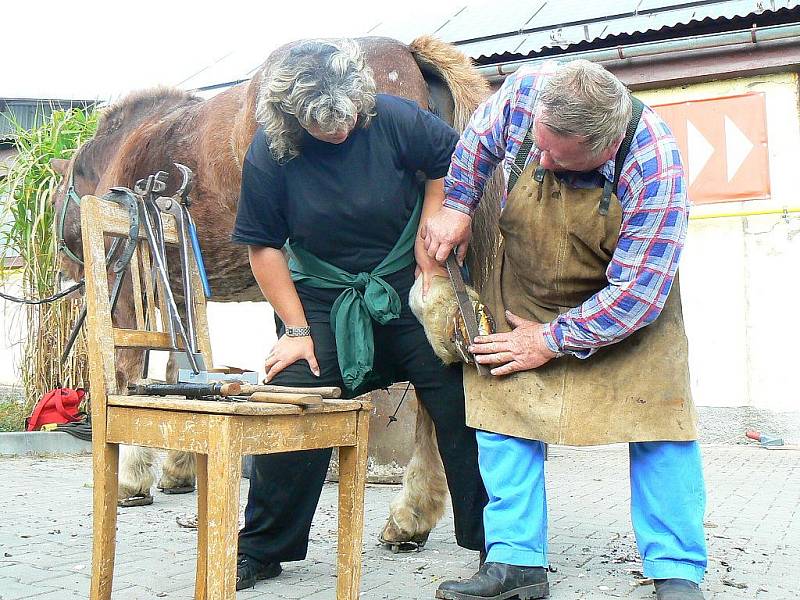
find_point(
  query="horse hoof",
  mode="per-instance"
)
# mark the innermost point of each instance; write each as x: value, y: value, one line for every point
x: 415, y: 544
x: 184, y: 489
x: 135, y: 500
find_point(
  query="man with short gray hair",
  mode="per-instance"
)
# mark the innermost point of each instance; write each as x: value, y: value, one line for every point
x: 590, y: 347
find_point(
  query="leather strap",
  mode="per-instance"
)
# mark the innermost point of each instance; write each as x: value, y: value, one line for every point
x: 519, y: 160
x: 611, y: 187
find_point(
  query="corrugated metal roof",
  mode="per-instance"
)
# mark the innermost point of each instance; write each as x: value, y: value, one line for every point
x: 30, y: 113
x: 236, y: 66
x: 525, y: 27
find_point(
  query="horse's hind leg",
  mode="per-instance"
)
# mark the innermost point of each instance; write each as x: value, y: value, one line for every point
x: 135, y: 476
x: 135, y: 463
x: 177, y: 473
x: 421, y: 502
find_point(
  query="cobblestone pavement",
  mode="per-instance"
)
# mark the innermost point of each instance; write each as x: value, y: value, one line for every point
x: 753, y: 530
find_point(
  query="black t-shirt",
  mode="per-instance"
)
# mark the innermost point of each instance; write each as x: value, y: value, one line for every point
x: 346, y: 203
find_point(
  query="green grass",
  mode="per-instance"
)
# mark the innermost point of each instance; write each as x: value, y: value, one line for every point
x: 12, y: 414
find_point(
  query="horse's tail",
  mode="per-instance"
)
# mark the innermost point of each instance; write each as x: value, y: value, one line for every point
x: 440, y: 59
x: 467, y: 89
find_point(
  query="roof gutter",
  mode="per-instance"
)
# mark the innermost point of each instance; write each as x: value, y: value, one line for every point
x: 745, y: 38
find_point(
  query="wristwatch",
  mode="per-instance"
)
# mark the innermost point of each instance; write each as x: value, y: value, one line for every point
x: 298, y: 331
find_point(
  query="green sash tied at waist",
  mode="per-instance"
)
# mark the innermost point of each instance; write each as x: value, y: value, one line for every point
x: 366, y: 297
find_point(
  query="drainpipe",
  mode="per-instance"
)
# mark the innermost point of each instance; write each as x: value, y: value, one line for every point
x: 754, y: 35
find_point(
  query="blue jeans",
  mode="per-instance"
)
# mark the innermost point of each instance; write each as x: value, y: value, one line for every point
x: 667, y: 504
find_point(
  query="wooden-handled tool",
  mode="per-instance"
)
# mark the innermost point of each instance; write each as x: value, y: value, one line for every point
x: 325, y: 392
x: 303, y: 399
x: 190, y: 390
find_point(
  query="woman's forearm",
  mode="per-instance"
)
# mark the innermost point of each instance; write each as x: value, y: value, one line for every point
x: 272, y: 274
x: 431, y: 205
x: 434, y: 197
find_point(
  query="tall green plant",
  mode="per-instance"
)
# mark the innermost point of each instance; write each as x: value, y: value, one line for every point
x: 29, y: 214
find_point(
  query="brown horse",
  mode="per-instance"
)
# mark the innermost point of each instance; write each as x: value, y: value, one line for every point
x: 149, y: 131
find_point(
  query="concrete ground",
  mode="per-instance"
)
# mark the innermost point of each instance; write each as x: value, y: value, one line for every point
x: 753, y: 531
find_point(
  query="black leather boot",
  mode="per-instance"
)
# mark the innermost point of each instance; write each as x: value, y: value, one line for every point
x: 249, y: 570
x: 498, y: 581
x: 677, y: 589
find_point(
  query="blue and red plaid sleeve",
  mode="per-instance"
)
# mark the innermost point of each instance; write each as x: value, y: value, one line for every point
x: 655, y: 207
x: 494, y: 134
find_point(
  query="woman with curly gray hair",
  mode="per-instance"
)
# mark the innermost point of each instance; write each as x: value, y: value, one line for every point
x: 331, y: 177
x: 326, y: 99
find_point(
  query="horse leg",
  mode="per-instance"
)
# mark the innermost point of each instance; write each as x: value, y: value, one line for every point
x: 421, y: 502
x: 135, y: 476
x: 177, y: 473
x: 136, y: 463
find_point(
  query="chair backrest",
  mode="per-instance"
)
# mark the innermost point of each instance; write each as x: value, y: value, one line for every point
x: 144, y: 327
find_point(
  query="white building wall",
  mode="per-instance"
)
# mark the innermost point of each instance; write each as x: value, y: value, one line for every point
x: 12, y: 327
x: 739, y: 279
x: 241, y: 336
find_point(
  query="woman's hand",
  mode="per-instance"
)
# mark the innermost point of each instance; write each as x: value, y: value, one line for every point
x: 426, y: 266
x: 289, y: 350
x: 431, y: 206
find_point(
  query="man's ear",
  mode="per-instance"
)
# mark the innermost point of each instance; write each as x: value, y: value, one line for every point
x: 614, y: 148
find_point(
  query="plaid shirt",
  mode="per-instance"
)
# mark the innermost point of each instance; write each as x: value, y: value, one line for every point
x: 652, y: 192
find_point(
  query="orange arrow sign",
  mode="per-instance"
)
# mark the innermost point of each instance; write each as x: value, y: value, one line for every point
x: 723, y: 144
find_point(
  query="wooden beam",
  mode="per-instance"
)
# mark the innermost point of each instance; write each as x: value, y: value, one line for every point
x: 135, y: 338
x: 116, y: 221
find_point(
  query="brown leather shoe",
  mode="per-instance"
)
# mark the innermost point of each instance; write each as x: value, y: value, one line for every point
x: 498, y: 581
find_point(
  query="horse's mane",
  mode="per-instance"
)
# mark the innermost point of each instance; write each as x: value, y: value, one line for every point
x: 118, y: 120
x: 136, y: 105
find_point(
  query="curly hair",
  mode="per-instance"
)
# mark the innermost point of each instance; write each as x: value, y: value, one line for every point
x: 318, y: 84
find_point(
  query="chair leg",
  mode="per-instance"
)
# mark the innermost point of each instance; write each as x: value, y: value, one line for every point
x: 224, y: 477
x: 105, y: 465
x: 352, y: 479
x: 201, y: 462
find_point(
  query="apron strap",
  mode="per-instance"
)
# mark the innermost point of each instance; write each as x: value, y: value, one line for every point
x: 519, y: 161
x: 610, y: 187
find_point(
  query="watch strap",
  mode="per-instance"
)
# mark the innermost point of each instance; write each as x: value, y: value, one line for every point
x: 298, y: 331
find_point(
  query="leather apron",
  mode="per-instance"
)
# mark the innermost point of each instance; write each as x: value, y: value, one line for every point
x: 556, y: 245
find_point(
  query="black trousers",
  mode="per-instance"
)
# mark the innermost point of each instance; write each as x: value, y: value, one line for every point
x: 285, y: 488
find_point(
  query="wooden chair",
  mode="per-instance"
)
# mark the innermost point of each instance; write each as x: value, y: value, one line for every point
x: 219, y: 433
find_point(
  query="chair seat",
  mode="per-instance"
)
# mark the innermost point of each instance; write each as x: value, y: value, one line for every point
x: 175, y: 423
x: 179, y: 403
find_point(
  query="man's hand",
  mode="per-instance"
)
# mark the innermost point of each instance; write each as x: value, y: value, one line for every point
x: 520, y: 349
x: 445, y: 230
x: 288, y: 350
